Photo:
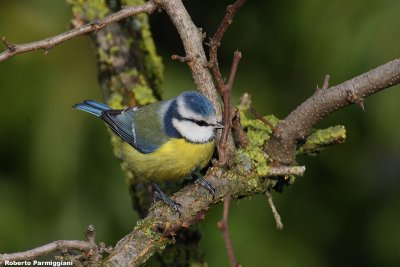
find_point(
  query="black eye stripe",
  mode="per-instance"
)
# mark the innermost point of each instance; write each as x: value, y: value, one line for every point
x: 200, y: 123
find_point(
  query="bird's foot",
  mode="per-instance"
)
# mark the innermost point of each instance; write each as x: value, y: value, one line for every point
x: 160, y: 195
x: 198, y: 179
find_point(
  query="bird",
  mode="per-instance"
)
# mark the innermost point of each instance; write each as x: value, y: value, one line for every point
x: 171, y: 139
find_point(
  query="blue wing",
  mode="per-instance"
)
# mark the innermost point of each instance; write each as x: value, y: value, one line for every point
x: 146, y: 139
x: 121, y: 122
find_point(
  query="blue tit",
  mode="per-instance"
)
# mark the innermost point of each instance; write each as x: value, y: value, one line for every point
x: 170, y: 139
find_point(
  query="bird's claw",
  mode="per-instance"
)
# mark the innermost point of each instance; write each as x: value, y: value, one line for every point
x: 202, y: 182
x: 160, y: 195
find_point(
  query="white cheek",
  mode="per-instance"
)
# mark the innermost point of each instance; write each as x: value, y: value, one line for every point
x: 193, y: 132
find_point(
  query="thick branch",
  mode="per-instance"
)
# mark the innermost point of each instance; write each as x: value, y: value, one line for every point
x: 192, y: 42
x: 154, y: 232
x: 48, y: 43
x: 298, y: 124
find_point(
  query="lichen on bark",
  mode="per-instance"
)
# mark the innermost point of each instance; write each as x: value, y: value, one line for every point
x: 131, y: 74
x: 320, y: 138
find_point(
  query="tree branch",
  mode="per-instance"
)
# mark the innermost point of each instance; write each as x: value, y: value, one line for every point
x: 261, y: 117
x: 275, y: 212
x: 225, y: 92
x: 216, y: 40
x: 130, y: 74
x: 237, y: 127
x: 223, y: 226
x: 224, y: 89
x: 298, y: 124
x: 61, y: 245
x: 154, y: 232
x: 319, y: 139
x: 48, y: 43
x: 193, y: 44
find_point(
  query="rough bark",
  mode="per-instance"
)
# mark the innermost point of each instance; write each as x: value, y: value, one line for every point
x: 296, y: 127
x: 130, y: 74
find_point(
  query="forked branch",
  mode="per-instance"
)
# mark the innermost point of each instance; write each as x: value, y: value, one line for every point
x: 157, y: 229
x: 224, y: 89
x: 61, y: 246
x: 298, y: 124
x: 154, y: 232
x: 192, y: 41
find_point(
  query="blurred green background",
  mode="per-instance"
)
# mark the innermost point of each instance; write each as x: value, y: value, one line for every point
x: 58, y: 173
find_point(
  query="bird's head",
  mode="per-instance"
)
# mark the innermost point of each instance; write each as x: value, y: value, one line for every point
x: 195, y: 118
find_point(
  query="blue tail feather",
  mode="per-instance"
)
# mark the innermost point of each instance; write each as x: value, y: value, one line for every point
x: 96, y: 104
x: 92, y: 107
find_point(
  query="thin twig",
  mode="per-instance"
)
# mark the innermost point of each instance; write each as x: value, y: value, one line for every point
x: 9, y: 45
x: 225, y: 92
x: 181, y: 59
x: 223, y: 226
x: 224, y: 89
x: 237, y: 126
x: 90, y: 234
x: 275, y: 213
x: 326, y: 82
x: 244, y: 104
x: 325, y: 85
x: 236, y: 58
x: 286, y: 170
x: 261, y: 118
x: 60, y: 245
x: 215, y: 41
x: 48, y: 43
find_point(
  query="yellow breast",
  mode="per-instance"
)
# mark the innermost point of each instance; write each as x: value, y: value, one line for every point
x: 175, y: 159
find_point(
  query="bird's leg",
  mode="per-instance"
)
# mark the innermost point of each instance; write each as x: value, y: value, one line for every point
x: 158, y: 194
x: 198, y: 179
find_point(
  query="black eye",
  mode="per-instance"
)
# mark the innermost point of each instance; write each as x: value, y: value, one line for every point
x: 201, y: 123
x: 198, y: 122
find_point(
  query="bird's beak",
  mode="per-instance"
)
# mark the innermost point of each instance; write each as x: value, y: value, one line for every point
x: 218, y: 126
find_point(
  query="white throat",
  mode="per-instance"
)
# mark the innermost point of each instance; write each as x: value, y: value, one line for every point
x: 193, y: 132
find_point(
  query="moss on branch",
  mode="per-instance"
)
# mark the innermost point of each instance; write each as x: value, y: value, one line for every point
x: 130, y: 74
x: 319, y: 139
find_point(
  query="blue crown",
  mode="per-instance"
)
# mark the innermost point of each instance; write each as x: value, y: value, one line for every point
x: 198, y: 103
